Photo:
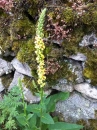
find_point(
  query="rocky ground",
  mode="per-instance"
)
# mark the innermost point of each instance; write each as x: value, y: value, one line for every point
x: 82, y: 102
x: 70, y: 37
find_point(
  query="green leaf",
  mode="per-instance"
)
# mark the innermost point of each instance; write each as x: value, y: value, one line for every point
x: 29, y: 116
x: 55, y: 98
x: 2, y: 118
x: 64, y: 126
x: 35, y: 128
x: 35, y: 108
x: 43, y: 107
x: 22, y: 119
x: 55, y: 118
x: 10, y: 124
x: 32, y: 121
x: 44, y: 126
x: 60, y: 96
x: 47, y: 119
x: 51, y: 107
x: 26, y: 129
x: 38, y: 94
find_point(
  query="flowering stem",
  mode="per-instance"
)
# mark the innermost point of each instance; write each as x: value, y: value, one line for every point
x: 41, y: 101
x: 24, y: 105
x: 39, y: 46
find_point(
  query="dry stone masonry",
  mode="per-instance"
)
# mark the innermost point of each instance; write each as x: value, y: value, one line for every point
x: 82, y: 102
x: 70, y: 37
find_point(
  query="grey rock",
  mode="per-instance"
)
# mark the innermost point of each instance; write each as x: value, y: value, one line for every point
x: 5, y: 67
x: 14, y: 82
x: 88, y: 81
x: 76, y: 107
x: 1, y: 86
x: 78, y: 57
x: 77, y: 69
x: 63, y: 86
x: 89, y: 40
x: 22, y: 68
x: 87, y: 89
x: 27, y: 93
x: 8, y: 53
x: 29, y: 97
x: 59, y: 42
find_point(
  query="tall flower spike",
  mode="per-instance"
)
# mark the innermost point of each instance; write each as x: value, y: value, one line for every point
x: 39, y: 46
x: 40, y: 25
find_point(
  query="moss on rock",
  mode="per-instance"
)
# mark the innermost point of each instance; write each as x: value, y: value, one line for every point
x: 18, y: 35
x: 90, y: 70
x: 71, y: 45
x: 28, y: 83
x: 69, y: 16
x: 91, y: 124
x: 27, y: 53
x: 6, y: 80
x: 91, y: 11
x: 24, y: 27
x: 63, y: 72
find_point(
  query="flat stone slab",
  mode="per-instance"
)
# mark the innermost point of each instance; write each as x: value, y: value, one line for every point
x: 5, y: 67
x: 14, y: 82
x: 27, y: 93
x: 86, y: 89
x: 63, y: 86
x: 1, y: 86
x: 77, y: 69
x: 89, y: 40
x: 29, y: 97
x: 78, y: 57
x: 76, y: 107
x: 22, y: 68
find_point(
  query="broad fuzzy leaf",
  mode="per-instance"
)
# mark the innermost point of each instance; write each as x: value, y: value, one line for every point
x: 64, y: 126
x: 35, y: 108
x: 22, y: 119
x: 32, y: 121
x: 55, y: 98
x: 47, y: 119
x: 29, y: 116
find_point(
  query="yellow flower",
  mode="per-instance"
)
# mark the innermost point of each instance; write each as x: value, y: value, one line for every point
x: 40, y: 46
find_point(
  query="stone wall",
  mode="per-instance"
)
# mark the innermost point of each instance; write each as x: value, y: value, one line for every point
x: 70, y: 38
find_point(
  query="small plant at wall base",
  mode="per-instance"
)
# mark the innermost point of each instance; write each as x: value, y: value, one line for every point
x: 17, y: 114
